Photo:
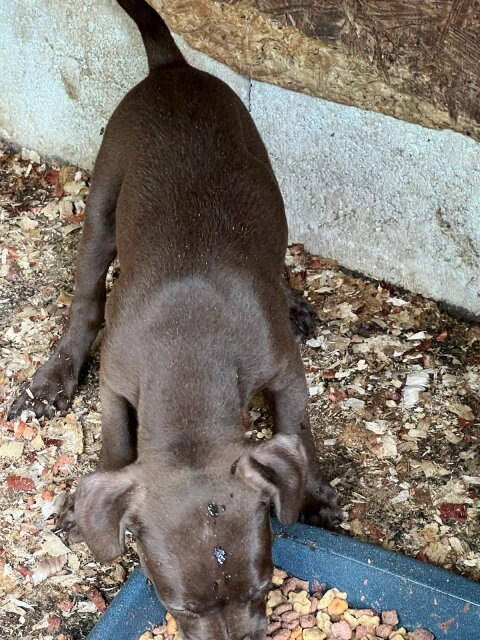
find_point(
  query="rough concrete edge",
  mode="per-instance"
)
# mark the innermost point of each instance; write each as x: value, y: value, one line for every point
x: 291, y: 56
x: 7, y: 141
x: 457, y: 312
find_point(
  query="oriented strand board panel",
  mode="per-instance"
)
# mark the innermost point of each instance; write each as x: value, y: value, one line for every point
x: 417, y: 60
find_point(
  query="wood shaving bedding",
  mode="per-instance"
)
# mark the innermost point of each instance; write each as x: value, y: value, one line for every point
x: 408, y: 477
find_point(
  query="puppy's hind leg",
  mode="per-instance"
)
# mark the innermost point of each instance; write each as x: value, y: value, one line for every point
x: 53, y: 385
x: 303, y: 318
x: 287, y: 397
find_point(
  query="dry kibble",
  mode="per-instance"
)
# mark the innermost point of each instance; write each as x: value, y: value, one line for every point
x: 157, y: 631
x: 358, y: 613
x: 171, y: 625
x: 337, y: 607
x: 384, y: 631
x: 329, y: 596
x: 290, y: 616
x: 279, y: 577
x: 289, y: 586
x: 300, y: 601
x: 274, y: 599
x: 303, y: 585
x: 324, y: 623
x: 313, y: 634
x: 313, y: 605
x: 296, y: 633
x: 291, y: 625
x: 352, y: 621
x: 390, y: 617
x: 281, y: 609
x: 308, y: 621
x: 273, y: 626
x: 421, y: 634
x: 371, y: 622
x: 342, y: 630
x: 296, y: 614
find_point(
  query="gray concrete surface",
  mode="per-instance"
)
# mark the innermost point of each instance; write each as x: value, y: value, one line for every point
x: 393, y: 200
x: 384, y: 197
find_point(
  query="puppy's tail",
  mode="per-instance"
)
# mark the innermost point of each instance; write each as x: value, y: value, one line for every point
x: 157, y: 39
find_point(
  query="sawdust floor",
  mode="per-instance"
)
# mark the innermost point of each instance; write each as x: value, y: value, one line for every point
x: 394, y: 396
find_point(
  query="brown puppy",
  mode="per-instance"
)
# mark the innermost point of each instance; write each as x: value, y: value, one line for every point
x: 198, y: 321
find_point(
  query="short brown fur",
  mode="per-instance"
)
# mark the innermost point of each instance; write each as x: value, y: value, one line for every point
x: 199, y: 320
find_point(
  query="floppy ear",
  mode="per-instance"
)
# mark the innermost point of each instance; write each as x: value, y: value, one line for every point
x: 278, y: 468
x: 104, y: 506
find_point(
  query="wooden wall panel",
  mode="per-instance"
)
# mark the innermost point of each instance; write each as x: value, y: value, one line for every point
x: 416, y: 60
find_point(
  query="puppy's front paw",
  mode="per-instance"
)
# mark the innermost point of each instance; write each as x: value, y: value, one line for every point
x: 66, y: 522
x: 52, y: 388
x: 320, y: 506
x: 303, y: 318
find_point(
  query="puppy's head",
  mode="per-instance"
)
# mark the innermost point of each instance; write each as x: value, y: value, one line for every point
x: 203, y: 536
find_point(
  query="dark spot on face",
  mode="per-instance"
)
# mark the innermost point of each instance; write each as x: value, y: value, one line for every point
x: 233, y: 469
x: 231, y: 495
x: 213, y: 510
x: 220, y: 555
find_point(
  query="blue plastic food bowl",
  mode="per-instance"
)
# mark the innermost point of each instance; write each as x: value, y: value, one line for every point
x: 424, y: 596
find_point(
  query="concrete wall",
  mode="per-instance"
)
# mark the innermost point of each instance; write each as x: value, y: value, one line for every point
x: 393, y: 200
